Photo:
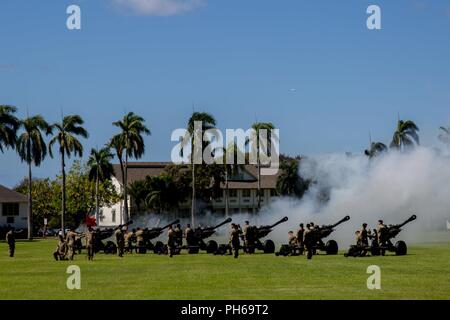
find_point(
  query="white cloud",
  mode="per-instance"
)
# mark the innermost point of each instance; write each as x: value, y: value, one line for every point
x: 159, y: 7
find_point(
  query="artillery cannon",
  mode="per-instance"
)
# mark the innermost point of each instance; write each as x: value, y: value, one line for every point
x: 153, y: 233
x: 255, y: 234
x: 102, y: 234
x: 319, y: 233
x: 197, y: 242
x: 381, y: 241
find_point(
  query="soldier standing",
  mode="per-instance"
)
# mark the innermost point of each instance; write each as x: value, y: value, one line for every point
x: 293, y: 242
x: 381, y: 232
x: 234, y: 239
x: 308, y: 241
x: 129, y: 237
x: 300, y: 237
x: 120, y: 240
x: 71, y: 241
x: 11, y: 240
x: 178, y: 235
x: 170, y: 241
x: 89, y: 237
x: 140, y: 240
x: 189, y: 234
x: 363, y: 235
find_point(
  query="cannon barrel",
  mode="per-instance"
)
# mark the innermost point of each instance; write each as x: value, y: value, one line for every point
x: 222, y: 223
x: 173, y: 222
x: 278, y: 222
x: 120, y: 226
x: 412, y: 218
x: 346, y: 218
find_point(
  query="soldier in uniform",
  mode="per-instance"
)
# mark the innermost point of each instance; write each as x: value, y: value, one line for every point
x: 381, y: 232
x: 170, y: 241
x: 234, y: 239
x: 71, y: 242
x: 11, y: 240
x: 140, y: 242
x: 178, y: 235
x: 293, y: 242
x: 61, y: 249
x: 309, y: 241
x: 246, y: 234
x: 189, y: 235
x: 129, y: 238
x: 300, y: 237
x: 120, y: 240
x: 89, y: 238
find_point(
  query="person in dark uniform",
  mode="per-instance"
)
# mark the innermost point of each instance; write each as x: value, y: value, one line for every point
x: 89, y: 238
x: 178, y: 235
x: 170, y: 241
x: 309, y: 241
x: 234, y: 239
x: 189, y: 235
x: 300, y: 238
x: 120, y: 240
x: 11, y: 241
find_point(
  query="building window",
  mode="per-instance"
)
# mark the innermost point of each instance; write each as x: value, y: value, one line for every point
x: 10, y: 209
x: 113, y: 215
x: 246, y: 193
x: 10, y: 220
x: 232, y: 193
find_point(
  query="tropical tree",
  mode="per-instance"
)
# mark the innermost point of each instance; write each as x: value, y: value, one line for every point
x: 164, y: 194
x: 257, y: 127
x: 289, y: 182
x: 66, y: 135
x: 232, y: 168
x: 8, y: 127
x: 207, y: 122
x: 131, y: 142
x: 405, y: 136
x: 376, y: 148
x: 138, y: 192
x: 100, y: 169
x: 444, y: 136
x: 32, y: 149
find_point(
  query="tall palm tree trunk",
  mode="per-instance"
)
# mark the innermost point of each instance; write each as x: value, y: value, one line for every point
x: 193, y: 195
x: 227, y: 208
x: 30, y: 203
x: 97, y: 208
x: 259, y: 180
x: 125, y: 187
x: 63, y: 202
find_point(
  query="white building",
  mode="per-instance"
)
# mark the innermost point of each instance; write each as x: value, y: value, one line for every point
x: 242, y: 192
x: 13, y: 209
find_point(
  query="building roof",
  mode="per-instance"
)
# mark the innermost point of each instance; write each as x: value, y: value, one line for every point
x: 8, y: 196
x: 140, y: 170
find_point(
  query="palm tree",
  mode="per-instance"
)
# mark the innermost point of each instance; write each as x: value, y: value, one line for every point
x: 8, y: 127
x: 66, y: 136
x: 208, y: 122
x: 132, y: 143
x: 100, y: 169
x: 376, y: 148
x: 289, y: 182
x: 257, y: 127
x: 138, y: 192
x: 445, y: 135
x: 32, y: 149
x: 405, y: 136
x: 117, y: 144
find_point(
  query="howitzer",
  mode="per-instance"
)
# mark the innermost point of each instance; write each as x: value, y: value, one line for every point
x: 153, y: 233
x: 253, y: 236
x: 201, y: 234
x: 101, y: 234
x: 331, y: 247
x: 325, y: 231
x: 394, y: 230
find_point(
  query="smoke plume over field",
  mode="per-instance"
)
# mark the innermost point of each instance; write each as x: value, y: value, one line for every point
x: 391, y: 187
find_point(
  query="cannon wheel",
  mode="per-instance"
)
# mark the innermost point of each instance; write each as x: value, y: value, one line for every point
x: 269, y: 246
x: 400, y: 248
x: 158, y: 248
x: 211, y: 246
x: 110, y: 248
x: 331, y: 247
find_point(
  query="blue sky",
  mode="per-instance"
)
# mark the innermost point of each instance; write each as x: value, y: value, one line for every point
x: 238, y: 60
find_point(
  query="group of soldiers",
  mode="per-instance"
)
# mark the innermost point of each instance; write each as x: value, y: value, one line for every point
x: 379, y: 236
x: 304, y: 240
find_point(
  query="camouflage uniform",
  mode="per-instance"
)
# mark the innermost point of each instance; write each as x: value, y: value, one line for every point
x: 120, y: 240
x: 140, y: 240
x: 234, y: 240
x: 309, y: 242
x: 178, y: 236
x: 129, y: 236
x: 89, y: 237
x: 11, y: 240
x: 293, y: 242
x: 300, y: 239
x: 382, y: 239
x: 170, y: 241
x: 189, y: 234
x: 71, y: 239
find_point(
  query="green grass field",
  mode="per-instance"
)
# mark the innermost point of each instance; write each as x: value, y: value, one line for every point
x: 33, y: 274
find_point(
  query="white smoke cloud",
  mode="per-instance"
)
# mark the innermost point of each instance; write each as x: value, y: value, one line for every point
x: 391, y: 187
x: 159, y: 7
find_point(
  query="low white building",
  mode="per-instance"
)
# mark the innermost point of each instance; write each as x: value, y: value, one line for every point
x: 13, y: 209
x: 242, y: 192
